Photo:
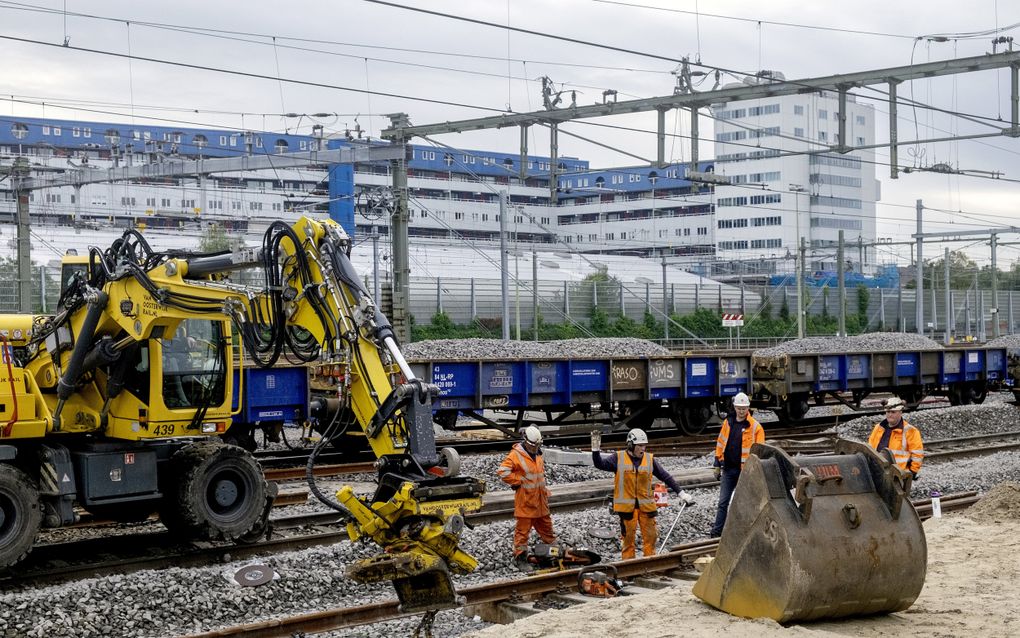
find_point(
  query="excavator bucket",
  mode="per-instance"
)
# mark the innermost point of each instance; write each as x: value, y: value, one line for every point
x: 817, y: 537
x: 421, y: 579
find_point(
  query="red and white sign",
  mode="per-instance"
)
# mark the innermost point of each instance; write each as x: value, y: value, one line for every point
x: 732, y: 320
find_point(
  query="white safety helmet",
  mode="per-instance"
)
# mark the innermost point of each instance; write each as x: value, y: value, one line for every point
x: 532, y: 435
x: 741, y: 401
x: 895, y: 403
x: 637, y: 436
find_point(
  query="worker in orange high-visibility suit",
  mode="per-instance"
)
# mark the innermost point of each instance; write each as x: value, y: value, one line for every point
x: 633, y: 500
x: 899, y: 437
x: 739, y: 432
x: 524, y: 471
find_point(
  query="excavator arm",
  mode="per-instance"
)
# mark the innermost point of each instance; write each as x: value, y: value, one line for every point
x: 311, y: 305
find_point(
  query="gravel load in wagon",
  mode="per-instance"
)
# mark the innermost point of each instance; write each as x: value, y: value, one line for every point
x: 868, y: 342
x: 1010, y: 342
x: 497, y: 349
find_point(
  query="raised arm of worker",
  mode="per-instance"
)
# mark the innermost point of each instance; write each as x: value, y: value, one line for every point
x: 601, y: 461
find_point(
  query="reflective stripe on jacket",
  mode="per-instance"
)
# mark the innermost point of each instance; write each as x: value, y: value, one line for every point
x: 531, y: 500
x: 633, y: 485
x: 904, y: 443
x: 753, y: 433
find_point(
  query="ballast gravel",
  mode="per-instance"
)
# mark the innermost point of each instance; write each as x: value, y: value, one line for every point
x: 497, y: 349
x: 868, y: 342
x: 1011, y: 342
x: 179, y: 601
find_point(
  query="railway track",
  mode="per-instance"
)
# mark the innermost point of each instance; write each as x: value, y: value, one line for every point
x: 282, y: 465
x: 510, y: 599
x: 977, y: 445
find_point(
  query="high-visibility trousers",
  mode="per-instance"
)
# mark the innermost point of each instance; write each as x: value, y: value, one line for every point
x: 542, y: 525
x: 628, y: 531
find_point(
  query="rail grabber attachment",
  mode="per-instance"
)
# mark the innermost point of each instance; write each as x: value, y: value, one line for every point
x: 817, y: 537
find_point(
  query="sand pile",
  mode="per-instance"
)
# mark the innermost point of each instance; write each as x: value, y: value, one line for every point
x: 1000, y: 503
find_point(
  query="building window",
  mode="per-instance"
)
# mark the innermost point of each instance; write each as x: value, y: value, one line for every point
x: 731, y: 201
x: 823, y: 114
x: 768, y: 109
x: 835, y: 160
x: 703, y: 230
x: 798, y: 109
x: 823, y: 136
x: 860, y: 141
x: 835, y: 202
x: 798, y: 132
x: 730, y: 136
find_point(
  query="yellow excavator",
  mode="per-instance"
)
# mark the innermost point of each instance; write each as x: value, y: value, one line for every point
x: 116, y: 402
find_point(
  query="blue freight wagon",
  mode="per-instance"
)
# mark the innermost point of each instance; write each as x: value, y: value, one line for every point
x: 268, y: 398
x: 788, y: 383
x: 633, y: 392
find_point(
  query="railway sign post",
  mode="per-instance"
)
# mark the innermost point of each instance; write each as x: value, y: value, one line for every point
x: 731, y: 321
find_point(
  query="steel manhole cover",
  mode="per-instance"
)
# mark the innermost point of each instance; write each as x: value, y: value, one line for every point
x: 253, y: 575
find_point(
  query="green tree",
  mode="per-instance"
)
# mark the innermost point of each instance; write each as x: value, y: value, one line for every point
x: 961, y: 271
x: 215, y: 240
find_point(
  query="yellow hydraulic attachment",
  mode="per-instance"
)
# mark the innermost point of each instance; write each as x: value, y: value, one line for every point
x: 817, y: 537
x: 419, y: 537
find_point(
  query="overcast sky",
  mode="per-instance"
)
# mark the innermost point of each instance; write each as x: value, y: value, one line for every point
x: 360, y: 45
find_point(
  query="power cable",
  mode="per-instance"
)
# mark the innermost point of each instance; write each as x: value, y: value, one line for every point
x: 259, y: 76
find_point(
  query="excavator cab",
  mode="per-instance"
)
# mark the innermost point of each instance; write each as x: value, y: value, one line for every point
x: 817, y: 537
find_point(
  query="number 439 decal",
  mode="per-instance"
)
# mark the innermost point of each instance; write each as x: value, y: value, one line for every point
x: 163, y: 429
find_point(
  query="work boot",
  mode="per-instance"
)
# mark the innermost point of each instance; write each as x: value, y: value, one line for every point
x: 522, y: 564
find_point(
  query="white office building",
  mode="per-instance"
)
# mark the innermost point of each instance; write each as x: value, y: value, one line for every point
x: 788, y: 180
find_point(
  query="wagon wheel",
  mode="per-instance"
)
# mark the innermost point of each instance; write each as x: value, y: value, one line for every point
x: 642, y: 414
x: 794, y: 409
x: 912, y: 395
x: 978, y: 393
x: 446, y: 419
x: 955, y: 395
x: 691, y: 418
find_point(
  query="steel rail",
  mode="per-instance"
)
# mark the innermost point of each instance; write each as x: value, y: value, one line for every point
x: 678, y: 558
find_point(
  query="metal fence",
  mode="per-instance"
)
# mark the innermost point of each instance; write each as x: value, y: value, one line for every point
x: 467, y: 300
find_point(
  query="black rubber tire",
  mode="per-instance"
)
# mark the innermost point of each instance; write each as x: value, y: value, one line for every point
x: 213, y: 491
x: 20, y: 514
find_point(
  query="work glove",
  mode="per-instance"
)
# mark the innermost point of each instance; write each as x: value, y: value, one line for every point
x: 596, y: 440
x: 913, y: 475
x: 685, y: 497
x: 717, y: 472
